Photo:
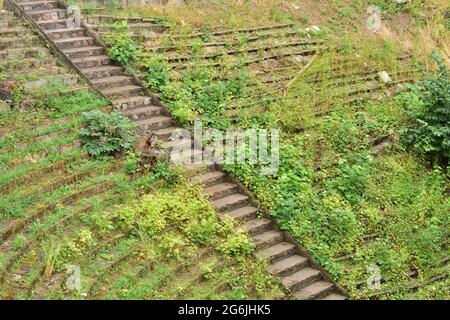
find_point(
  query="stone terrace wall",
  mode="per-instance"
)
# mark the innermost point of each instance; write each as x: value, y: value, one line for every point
x: 129, y: 2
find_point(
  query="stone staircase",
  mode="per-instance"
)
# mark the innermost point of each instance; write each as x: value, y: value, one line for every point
x: 91, y: 59
x: 298, y: 273
x: 22, y: 56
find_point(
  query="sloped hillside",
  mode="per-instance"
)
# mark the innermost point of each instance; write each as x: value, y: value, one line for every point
x: 61, y: 208
x: 349, y: 188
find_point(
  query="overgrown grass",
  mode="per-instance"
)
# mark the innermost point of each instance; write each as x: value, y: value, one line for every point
x: 345, y: 188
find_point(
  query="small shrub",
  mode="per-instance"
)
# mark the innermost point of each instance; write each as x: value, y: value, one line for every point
x: 428, y: 106
x: 104, y: 134
x: 72, y: 248
x: 175, y: 246
x: 235, y: 243
x: 207, y: 269
x: 3, y: 75
x: 19, y: 242
x: 121, y: 45
x: 184, y: 113
x: 157, y: 73
x: 426, y: 245
x: 163, y: 171
x: 132, y: 163
x: 350, y: 181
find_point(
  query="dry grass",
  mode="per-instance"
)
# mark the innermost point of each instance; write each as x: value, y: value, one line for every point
x: 418, y: 28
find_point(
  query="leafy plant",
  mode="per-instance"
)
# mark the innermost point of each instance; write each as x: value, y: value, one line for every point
x: 428, y: 106
x: 132, y: 163
x: 104, y: 134
x: 3, y: 74
x: 235, y: 243
x: 163, y: 171
x: 122, y: 48
x: 19, y: 242
x: 201, y: 93
x: 350, y: 181
x: 157, y: 73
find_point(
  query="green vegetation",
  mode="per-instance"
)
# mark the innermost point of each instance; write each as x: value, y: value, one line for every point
x: 355, y: 185
x: 69, y: 210
x: 136, y: 231
x: 121, y: 46
x: 157, y: 73
x: 198, y: 93
x: 428, y: 106
x: 346, y: 188
x: 105, y: 134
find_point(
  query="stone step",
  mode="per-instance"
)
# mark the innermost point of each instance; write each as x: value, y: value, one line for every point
x: 70, y: 80
x: 180, y: 143
x: 277, y: 252
x: 76, y: 53
x: 36, y: 139
x: 267, y: 239
x: 259, y: 225
x: 28, y: 63
x: 210, y: 178
x: 315, y: 291
x: 92, y: 61
x: 166, y: 133
x: 16, y: 43
x: 288, y: 265
x: 50, y: 70
x: 123, y: 92
x: 38, y: 5
x: 231, y: 202
x: 78, y: 42
x: 48, y: 14
x: 53, y: 24
x: 244, y: 213
x: 301, y: 279
x: 142, y: 113
x: 24, y: 53
x: 104, y: 18
x: 64, y: 33
x: 145, y: 29
x: 221, y: 190
x: 9, y: 32
x: 132, y: 102
x: 154, y: 123
x: 185, y: 156
x: 111, y: 82
x: 194, y: 170
x: 6, y: 16
x: 101, y: 72
x: 334, y: 296
x: 82, y: 88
